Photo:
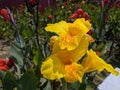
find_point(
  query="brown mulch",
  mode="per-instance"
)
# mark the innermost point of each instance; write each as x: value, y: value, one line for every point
x: 4, y: 48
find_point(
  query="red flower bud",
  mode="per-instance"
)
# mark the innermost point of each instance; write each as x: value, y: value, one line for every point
x: 86, y: 16
x: 65, y: 4
x: 74, y: 16
x: 117, y: 4
x: 90, y: 32
x: 98, y: 53
x: 5, y: 15
x: 80, y: 12
x: 106, y: 1
x: 32, y: 1
x: 50, y: 17
x: 3, y: 65
x: 10, y: 63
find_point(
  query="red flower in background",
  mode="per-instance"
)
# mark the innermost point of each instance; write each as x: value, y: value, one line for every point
x: 50, y: 17
x: 86, y: 16
x: 3, y: 65
x: 106, y: 1
x: 98, y: 53
x: 10, y: 63
x: 90, y: 32
x: 80, y: 12
x: 65, y: 4
x: 5, y: 15
x: 6, y: 64
x: 74, y: 16
x: 117, y: 4
x: 32, y: 1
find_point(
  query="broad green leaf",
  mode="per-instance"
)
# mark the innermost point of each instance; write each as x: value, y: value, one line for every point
x: 28, y: 81
x: 2, y: 74
x: 17, y: 53
x: 74, y: 86
x: 9, y: 81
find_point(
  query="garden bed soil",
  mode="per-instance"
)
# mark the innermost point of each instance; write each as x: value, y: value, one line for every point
x: 4, y: 48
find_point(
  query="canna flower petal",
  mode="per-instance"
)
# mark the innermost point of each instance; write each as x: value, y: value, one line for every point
x: 69, y: 34
x: 81, y: 50
x: 92, y: 62
x: 53, y: 39
x: 52, y: 68
x: 57, y: 65
x: 58, y: 28
x: 84, y: 25
x: 69, y: 42
x: 74, y: 72
x: 74, y: 55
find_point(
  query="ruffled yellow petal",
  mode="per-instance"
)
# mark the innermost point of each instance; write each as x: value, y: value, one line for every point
x: 71, y: 39
x: 69, y: 34
x: 74, y: 72
x: 52, y: 68
x: 83, y: 25
x: 58, y: 28
x: 81, y: 50
x: 69, y: 42
x: 75, y: 55
x: 76, y: 31
x: 92, y: 62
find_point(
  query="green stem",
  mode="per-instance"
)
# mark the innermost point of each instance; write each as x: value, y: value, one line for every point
x: 64, y: 85
x: 101, y: 20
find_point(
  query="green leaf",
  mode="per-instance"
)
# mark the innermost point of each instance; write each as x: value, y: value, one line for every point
x: 2, y: 74
x: 74, y: 86
x: 9, y: 81
x: 17, y: 53
x: 27, y: 33
x: 37, y: 57
x: 100, y: 47
x: 82, y: 87
x: 28, y: 81
x: 45, y: 84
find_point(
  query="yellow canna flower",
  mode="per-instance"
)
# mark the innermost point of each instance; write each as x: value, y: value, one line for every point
x: 63, y: 63
x: 74, y: 72
x: 52, y: 41
x: 69, y: 34
x: 73, y: 55
x: 52, y: 68
x: 91, y: 40
x: 92, y: 62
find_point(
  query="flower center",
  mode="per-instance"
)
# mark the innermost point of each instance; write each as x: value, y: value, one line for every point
x: 73, y: 30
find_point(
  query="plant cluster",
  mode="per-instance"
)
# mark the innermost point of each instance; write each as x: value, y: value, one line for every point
x: 59, y: 49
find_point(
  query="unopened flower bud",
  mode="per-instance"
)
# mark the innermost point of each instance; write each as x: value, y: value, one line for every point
x: 50, y: 17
